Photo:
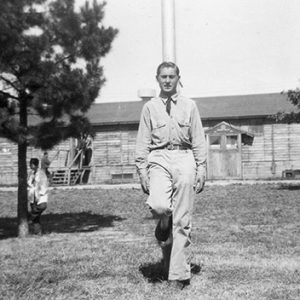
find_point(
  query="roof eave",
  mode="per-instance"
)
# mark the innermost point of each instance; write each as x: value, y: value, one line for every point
x: 203, y: 119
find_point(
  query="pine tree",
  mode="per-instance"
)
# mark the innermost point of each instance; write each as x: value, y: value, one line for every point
x: 50, y: 74
x: 294, y: 98
x: 293, y: 115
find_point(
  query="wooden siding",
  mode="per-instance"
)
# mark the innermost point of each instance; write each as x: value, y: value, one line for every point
x: 113, y: 157
x: 9, y: 159
x: 275, y: 148
x: 8, y: 162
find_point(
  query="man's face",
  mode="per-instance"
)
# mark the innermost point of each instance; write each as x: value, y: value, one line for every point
x: 167, y: 80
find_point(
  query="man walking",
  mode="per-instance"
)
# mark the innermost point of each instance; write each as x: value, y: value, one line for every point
x: 171, y: 163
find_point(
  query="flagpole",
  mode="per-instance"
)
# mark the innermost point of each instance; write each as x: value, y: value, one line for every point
x: 168, y: 30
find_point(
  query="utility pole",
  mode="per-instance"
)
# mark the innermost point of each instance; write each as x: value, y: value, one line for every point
x: 168, y: 30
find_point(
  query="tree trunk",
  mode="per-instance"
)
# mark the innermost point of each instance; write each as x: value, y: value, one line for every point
x: 22, y: 173
x: 22, y: 191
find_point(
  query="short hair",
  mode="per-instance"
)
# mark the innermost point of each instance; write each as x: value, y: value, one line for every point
x: 34, y: 161
x: 167, y: 64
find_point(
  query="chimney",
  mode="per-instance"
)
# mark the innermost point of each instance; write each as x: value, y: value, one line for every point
x: 146, y: 94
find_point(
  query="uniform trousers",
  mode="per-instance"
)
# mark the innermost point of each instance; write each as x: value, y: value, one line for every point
x: 35, y: 216
x: 171, y: 192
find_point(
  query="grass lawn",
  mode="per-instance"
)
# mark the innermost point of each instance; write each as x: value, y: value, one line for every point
x: 99, y: 244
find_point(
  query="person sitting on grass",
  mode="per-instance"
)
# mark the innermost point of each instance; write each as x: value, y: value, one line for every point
x: 37, y: 194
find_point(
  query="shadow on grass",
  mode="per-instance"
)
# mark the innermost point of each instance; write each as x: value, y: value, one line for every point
x: 62, y: 223
x: 289, y: 187
x: 154, y: 272
x: 8, y: 228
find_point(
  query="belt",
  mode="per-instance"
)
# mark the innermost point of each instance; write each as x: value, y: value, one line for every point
x: 176, y: 147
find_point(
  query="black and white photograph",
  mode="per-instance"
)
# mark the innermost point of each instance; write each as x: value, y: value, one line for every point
x: 149, y: 149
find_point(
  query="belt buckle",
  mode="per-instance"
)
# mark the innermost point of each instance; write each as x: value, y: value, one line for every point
x: 170, y: 147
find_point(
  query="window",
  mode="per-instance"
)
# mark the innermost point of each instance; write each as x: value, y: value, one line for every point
x: 231, y: 141
x: 215, y: 142
x: 122, y: 176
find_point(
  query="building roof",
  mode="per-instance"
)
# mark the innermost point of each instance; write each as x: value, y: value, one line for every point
x: 210, y: 108
x: 226, y: 128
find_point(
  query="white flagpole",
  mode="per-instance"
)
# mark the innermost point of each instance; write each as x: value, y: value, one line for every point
x: 168, y: 30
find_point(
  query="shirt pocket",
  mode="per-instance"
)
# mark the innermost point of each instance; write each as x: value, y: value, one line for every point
x: 184, y: 129
x: 159, y: 131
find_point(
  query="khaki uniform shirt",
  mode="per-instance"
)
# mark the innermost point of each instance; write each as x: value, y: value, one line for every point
x: 183, y: 127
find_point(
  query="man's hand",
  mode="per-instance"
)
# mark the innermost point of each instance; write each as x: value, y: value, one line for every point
x: 199, y: 183
x: 144, y: 179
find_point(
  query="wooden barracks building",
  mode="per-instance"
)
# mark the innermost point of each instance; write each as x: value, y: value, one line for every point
x: 243, y: 142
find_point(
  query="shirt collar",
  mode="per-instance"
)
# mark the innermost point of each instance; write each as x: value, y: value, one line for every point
x: 173, y: 97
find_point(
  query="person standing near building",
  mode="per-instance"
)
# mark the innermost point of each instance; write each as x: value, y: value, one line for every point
x: 37, y: 194
x: 171, y: 163
x: 45, y: 163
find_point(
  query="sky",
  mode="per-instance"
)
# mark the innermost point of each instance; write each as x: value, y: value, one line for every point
x: 223, y: 47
